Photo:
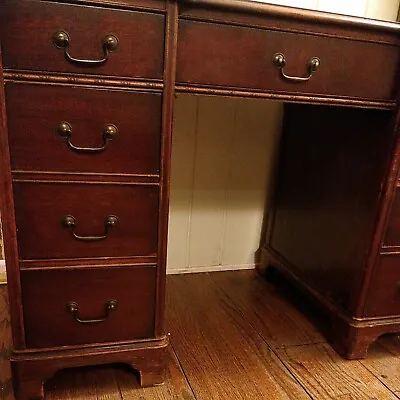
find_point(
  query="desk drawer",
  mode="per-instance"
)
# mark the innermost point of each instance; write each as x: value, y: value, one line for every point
x: 392, y: 236
x: 237, y: 57
x: 44, y: 231
x: 28, y: 27
x: 37, y: 144
x: 49, y: 320
x: 384, y: 294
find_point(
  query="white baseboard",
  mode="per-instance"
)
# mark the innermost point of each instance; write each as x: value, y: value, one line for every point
x: 211, y: 268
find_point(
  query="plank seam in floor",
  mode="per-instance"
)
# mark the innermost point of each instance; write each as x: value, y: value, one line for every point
x: 183, y: 371
x: 262, y: 338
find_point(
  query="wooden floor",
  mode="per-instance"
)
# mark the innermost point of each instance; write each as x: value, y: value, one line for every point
x: 235, y: 336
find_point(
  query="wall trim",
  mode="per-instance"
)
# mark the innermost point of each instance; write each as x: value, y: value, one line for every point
x: 210, y: 268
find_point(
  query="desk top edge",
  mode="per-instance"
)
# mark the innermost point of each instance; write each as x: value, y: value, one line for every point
x: 300, y: 14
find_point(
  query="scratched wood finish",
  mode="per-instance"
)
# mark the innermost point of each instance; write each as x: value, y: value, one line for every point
x: 40, y: 209
x: 327, y: 376
x: 140, y: 35
x: 279, y: 314
x: 134, y: 150
x: 221, y: 354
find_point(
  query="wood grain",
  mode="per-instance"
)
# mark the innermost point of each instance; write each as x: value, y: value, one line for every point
x: 327, y: 376
x: 221, y: 354
x: 175, y: 388
x: 5, y: 346
x: 97, y: 383
x: 384, y: 364
x: 281, y: 319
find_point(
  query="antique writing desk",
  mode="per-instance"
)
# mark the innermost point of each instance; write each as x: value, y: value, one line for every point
x: 87, y: 92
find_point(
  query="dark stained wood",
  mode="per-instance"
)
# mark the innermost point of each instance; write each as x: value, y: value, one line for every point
x: 383, y: 297
x: 166, y: 148
x: 5, y: 346
x: 281, y: 318
x: 35, y: 145
x: 327, y: 202
x: 8, y: 225
x: 333, y: 205
x: 30, y: 370
x: 147, y: 5
x: 204, y: 61
x: 140, y: 52
x: 48, y: 322
x: 176, y: 387
x: 392, y: 236
x: 219, y: 351
x: 40, y: 209
x: 327, y: 376
x: 239, y: 11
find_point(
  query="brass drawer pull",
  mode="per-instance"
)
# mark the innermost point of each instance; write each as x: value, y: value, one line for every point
x: 73, y: 308
x: 109, y: 43
x: 313, y: 65
x: 65, y: 131
x: 109, y: 222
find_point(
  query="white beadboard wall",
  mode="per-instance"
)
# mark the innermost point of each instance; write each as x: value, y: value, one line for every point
x: 222, y: 164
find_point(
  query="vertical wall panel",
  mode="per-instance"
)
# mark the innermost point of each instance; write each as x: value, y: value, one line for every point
x: 254, y: 147
x: 183, y: 152
x: 382, y: 9
x: 213, y: 151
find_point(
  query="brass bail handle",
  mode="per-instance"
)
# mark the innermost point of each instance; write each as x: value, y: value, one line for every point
x: 109, y: 44
x: 73, y: 308
x: 280, y: 61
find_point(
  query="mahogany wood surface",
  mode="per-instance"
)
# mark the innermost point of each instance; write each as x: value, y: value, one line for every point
x: 36, y: 145
x: 49, y: 323
x: 326, y: 202
x: 41, y: 208
x: 215, y: 62
x: 140, y: 35
x: 392, y: 236
x: 383, y: 297
x: 335, y: 183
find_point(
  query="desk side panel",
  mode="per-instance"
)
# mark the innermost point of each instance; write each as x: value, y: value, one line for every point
x: 332, y: 166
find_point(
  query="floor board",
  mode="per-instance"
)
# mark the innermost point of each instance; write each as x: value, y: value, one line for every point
x: 234, y: 336
x: 268, y: 310
x: 175, y: 388
x: 221, y: 354
x: 327, y: 376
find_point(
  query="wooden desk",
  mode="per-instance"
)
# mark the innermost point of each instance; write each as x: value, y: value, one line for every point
x: 86, y: 113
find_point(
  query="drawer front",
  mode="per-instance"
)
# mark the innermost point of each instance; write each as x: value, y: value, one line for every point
x: 384, y: 293
x: 236, y: 57
x: 27, y: 31
x: 38, y: 142
x: 45, y: 228
x: 50, y: 319
x: 392, y: 236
